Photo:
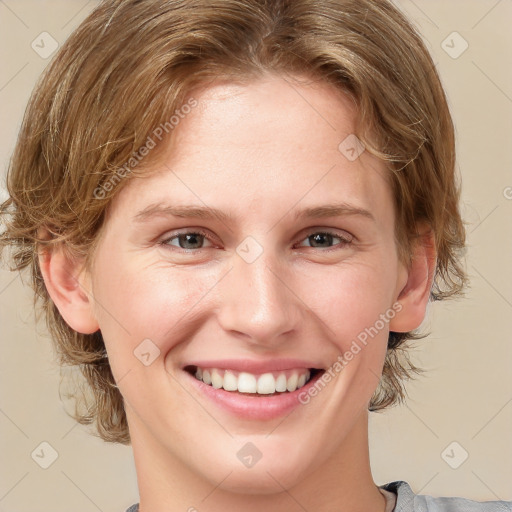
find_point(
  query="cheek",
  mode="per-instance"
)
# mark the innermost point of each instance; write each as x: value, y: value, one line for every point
x: 348, y: 298
x: 356, y: 305
x: 137, y: 301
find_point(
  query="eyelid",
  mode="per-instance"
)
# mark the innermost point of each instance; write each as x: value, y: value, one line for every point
x: 345, y: 237
x: 341, y: 233
x: 187, y: 231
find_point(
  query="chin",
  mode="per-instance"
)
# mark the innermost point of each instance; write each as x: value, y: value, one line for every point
x: 274, y: 471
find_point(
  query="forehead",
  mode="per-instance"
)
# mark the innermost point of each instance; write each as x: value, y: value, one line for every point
x: 272, y: 141
x: 286, y: 114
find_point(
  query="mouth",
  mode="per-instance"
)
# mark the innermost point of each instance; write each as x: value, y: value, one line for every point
x: 251, y: 389
x: 244, y: 383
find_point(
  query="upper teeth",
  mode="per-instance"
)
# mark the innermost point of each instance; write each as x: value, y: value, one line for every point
x: 244, y: 382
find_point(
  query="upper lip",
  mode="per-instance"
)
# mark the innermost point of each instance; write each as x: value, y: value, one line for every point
x: 254, y: 366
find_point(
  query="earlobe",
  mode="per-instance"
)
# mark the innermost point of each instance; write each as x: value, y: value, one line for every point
x: 69, y: 288
x: 414, y: 296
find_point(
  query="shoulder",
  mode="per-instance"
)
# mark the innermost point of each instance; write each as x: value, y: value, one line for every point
x: 408, y: 501
x: 133, y: 508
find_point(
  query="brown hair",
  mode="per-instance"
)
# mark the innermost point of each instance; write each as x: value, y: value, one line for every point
x: 128, y: 68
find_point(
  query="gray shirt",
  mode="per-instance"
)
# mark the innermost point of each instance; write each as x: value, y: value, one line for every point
x: 408, y: 501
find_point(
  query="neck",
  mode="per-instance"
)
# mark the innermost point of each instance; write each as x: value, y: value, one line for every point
x: 342, y: 482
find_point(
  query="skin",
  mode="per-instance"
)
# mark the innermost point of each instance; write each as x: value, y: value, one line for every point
x: 260, y: 152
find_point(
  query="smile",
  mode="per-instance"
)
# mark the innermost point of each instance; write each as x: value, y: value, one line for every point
x: 257, y: 390
x: 270, y: 383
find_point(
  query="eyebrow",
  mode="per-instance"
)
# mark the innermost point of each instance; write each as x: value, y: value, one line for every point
x: 209, y: 213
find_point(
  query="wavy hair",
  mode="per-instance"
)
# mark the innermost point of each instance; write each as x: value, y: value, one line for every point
x: 127, y: 69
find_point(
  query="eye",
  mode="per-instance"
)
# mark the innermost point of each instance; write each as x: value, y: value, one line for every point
x: 320, y: 239
x: 186, y: 240
x: 190, y: 240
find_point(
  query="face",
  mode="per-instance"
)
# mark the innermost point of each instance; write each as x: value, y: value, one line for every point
x: 258, y: 253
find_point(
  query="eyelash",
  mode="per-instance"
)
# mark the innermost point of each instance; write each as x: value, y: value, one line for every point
x: 344, y: 241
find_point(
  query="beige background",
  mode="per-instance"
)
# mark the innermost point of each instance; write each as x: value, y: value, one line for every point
x: 466, y: 396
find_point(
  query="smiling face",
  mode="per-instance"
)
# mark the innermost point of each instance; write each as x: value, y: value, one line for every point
x: 259, y: 248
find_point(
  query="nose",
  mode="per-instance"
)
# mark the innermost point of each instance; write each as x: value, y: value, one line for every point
x: 258, y: 302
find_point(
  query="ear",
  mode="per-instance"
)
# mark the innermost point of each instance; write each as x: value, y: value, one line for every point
x: 414, y: 296
x: 68, y: 285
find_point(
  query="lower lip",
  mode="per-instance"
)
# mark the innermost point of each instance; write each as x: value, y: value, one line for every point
x: 253, y: 407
